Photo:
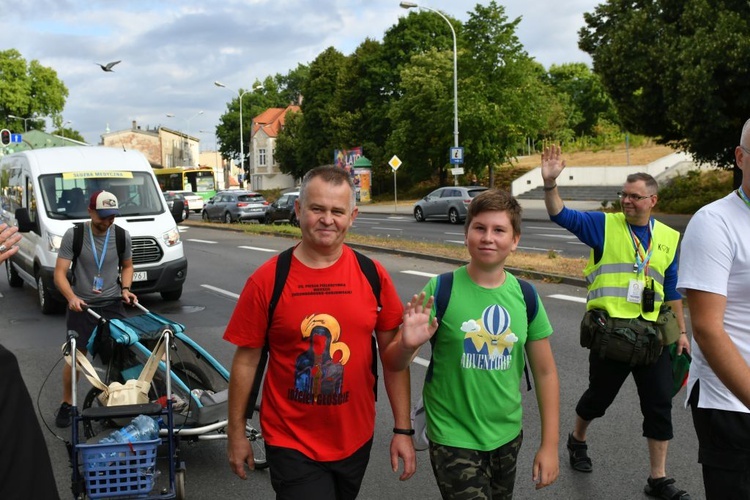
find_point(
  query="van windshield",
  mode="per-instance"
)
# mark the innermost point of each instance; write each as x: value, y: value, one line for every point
x: 66, y: 195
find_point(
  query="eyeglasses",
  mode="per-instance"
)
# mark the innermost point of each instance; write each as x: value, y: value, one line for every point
x: 633, y: 196
x: 743, y: 148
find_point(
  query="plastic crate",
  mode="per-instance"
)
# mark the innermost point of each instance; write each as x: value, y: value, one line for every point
x: 130, y: 473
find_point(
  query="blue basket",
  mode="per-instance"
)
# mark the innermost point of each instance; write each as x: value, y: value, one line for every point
x: 130, y: 472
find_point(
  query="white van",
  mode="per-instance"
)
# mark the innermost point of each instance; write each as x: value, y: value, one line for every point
x: 44, y: 191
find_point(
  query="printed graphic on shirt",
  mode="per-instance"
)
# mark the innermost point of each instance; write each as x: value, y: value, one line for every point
x: 319, y: 371
x: 489, y: 342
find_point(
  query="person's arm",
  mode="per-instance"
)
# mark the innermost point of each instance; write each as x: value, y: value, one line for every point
x: 242, y: 375
x: 552, y: 167
x: 60, y: 276
x: 707, y: 316
x: 398, y: 386
x: 415, y: 330
x: 546, y: 466
x: 126, y: 278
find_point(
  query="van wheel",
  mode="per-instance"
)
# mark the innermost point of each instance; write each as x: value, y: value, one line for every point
x: 172, y: 294
x: 14, y: 279
x: 47, y: 304
x: 228, y: 218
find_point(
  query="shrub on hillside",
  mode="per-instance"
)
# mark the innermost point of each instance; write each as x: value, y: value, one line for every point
x: 685, y: 194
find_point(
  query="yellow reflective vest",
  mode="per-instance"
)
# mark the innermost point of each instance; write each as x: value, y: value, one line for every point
x: 608, y: 280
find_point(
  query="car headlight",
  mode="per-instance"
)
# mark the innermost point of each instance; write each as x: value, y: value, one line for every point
x: 171, y: 237
x: 53, y: 242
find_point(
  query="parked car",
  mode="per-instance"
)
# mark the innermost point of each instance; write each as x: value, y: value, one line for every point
x: 170, y: 197
x: 235, y: 205
x: 448, y: 202
x: 194, y: 201
x: 283, y: 209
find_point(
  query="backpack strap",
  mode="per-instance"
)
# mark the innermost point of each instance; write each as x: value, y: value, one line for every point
x: 367, y: 266
x: 443, y: 289
x: 78, y: 246
x: 532, y: 307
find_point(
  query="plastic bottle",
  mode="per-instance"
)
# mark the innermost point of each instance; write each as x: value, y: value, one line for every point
x: 141, y: 428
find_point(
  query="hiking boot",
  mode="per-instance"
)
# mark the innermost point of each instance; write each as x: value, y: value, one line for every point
x: 664, y: 487
x: 63, y: 417
x: 579, y: 458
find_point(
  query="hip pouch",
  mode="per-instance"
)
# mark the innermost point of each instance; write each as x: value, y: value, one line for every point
x: 666, y: 325
x: 633, y: 341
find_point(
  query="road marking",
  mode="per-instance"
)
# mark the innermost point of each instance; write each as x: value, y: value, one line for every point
x: 575, y: 243
x: 207, y: 242
x: 390, y: 228
x: 454, y: 234
x: 457, y: 242
x: 570, y: 298
x: 564, y: 236
x: 421, y: 361
x: 541, y: 249
x: 257, y: 249
x: 227, y: 293
x: 366, y: 222
x: 420, y: 273
x: 545, y: 228
x: 399, y: 217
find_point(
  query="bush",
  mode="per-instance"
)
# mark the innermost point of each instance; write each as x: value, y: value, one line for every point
x: 685, y: 194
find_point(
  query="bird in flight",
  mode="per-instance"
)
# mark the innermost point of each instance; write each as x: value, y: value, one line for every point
x: 108, y: 66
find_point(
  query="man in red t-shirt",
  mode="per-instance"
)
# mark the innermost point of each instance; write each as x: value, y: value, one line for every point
x: 318, y: 407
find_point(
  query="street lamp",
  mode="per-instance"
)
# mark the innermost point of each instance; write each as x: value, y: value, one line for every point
x: 187, y: 135
x: 62, y: 128
x: 412, y: 5
x: 14, y: 117
x: 240, y: 95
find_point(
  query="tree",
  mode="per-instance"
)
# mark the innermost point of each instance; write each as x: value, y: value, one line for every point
x: 287, y: 151
x: 676, y: 70
x: 28, y: 90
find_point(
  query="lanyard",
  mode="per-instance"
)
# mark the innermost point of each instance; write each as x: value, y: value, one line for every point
x: 642, y: 258
x: 97, y: 260
x: 744, y: 197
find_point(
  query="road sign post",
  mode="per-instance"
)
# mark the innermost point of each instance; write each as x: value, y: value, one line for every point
x: 395, y: 162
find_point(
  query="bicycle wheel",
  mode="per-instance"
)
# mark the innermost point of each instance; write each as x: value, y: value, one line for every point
x: 92, y: 428
x: 255, y: 436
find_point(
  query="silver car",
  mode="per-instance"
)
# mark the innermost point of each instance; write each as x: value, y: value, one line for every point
x: 448, y: 202
x: 235, y: 205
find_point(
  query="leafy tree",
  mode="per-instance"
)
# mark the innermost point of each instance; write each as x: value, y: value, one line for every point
x: 287, y: 152
x: 28, y: 90
x: 676, y: 70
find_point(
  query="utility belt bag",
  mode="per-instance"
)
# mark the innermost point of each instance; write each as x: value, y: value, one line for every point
x: 634, y: 341
x: 667, y: 325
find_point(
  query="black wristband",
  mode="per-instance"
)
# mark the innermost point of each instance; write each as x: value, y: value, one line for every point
x: 550, y: 188
x: 406, y: 432
x: 125, y: 288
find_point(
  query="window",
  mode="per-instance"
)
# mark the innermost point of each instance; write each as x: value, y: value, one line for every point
x: 262, y: 157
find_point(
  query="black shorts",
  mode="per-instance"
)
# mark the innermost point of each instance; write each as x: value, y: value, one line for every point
x: 83, y: 323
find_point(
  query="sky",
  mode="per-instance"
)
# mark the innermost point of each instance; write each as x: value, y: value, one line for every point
x: 173, y: 51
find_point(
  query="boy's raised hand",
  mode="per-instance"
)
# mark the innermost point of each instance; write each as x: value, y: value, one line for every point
x: 417, y: 327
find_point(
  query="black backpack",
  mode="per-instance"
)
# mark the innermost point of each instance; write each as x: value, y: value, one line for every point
x: 284, y: 262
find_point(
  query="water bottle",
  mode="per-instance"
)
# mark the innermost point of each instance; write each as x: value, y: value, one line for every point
x: 141, y: 428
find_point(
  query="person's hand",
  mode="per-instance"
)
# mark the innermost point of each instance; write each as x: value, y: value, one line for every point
x: 417, y: 327
x: 9, y: 236
x: 683, y: 344
x: 240, y: 453
x: 129, y: 297
x: 552, y: 163
x: 77, y: 304
x: 546, y: 467
x: 402, y: 447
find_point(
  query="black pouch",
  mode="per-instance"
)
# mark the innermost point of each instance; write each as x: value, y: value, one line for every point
x: 633, y: 341
x: 593, y: 324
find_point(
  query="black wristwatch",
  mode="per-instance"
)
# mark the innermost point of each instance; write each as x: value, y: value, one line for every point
x: 406, y: 432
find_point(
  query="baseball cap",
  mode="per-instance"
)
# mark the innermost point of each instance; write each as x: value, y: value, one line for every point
x: 105, y: 204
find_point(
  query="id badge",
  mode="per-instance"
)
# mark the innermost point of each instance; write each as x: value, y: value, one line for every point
x: 635, y: 290
x: 98, y: 284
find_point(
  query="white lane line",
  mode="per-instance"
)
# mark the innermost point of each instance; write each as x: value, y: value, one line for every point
x: 540, y: 249
x: 365, y: 221
x: 545, y: 228
x: 564, y: 236
x: 390, y: 228
x: 227, y: 293
x: 419, y: 273
x: 399, y: 217
x: 257, y: 249
x: 570, y: 298
x: 457, y: 242
x: 575, y: 243
x: 422, y: 361
x: 207, y: 242
x: 453, y: 234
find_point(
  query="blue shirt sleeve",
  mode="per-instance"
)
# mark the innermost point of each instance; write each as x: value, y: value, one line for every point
x: 670, y: 280
x: 587, y: 226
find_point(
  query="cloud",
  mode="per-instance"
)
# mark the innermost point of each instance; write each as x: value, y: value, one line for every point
x: 172, y: 51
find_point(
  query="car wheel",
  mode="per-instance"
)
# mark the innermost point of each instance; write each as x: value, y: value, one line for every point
x: 453, y: 216
x: 205, y: 216
x: 47, y: 304
x: 293, y: 220
x: 14, y: 279
x: 228, y: 218
x: 419, y: 214
x: 267, y: 219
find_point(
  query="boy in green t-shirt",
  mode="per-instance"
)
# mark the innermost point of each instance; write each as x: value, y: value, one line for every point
x: 471, y: 396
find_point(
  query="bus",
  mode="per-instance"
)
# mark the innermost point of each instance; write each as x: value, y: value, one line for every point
x: 200, y: 180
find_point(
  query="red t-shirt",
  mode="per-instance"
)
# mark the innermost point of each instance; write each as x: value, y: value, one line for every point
x: 318, y: 393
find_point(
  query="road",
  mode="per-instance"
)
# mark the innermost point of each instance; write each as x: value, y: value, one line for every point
x: 220, y: 262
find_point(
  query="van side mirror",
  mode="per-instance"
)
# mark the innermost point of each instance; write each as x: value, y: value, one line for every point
x: 25, y: 225
x: 178, y: 210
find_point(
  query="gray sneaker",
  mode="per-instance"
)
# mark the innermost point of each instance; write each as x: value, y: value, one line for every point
x: 62, y: 417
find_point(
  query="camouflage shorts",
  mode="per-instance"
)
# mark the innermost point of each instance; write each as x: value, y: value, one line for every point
x: 464, y: 474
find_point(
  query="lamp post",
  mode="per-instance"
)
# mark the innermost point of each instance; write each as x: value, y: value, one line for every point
x: 62, y: 128
x: 240, y: 95
x: 187, y: 138
x: 14, y: 117
x: 412, y: 5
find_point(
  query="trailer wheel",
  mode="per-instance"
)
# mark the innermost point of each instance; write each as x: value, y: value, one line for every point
x: 179, y: 484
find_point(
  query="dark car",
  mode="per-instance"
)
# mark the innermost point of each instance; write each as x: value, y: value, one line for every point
x: 448, y: 202
x: 235, y: 206
x: 283, y: 209
x: 170, y: 197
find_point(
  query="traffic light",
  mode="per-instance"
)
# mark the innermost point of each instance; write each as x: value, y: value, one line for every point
x: 5, y: 137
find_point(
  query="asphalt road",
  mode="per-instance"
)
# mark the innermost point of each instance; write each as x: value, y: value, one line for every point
x: 220, y: 262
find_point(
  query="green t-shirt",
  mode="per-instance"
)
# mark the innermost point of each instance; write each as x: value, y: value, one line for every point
x: 473, y: 399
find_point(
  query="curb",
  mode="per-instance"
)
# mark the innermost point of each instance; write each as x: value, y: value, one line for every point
x: 554, y: 278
